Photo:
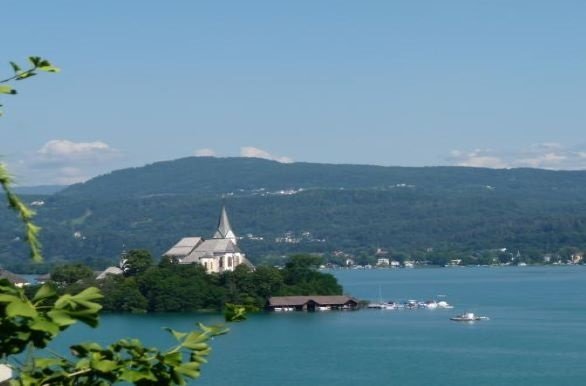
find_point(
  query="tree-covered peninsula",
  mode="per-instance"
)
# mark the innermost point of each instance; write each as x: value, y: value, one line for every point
x: 168, y: 287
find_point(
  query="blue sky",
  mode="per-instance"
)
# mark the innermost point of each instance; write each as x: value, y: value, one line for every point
x: 412, y: 83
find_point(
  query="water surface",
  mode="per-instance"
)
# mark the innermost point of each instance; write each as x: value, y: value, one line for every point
x: 536, y: 335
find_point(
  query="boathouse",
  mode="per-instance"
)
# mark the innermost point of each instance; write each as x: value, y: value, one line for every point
x: 312, y: 303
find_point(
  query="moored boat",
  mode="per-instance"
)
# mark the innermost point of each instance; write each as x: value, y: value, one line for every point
x: 468, y: 317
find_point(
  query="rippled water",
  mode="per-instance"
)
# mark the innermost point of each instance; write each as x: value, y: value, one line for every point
x: 536, y: 335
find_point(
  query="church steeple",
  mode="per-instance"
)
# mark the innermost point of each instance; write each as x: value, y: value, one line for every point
x: 224, y: 230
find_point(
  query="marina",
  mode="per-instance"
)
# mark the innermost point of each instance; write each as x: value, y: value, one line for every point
x: 410, y: 305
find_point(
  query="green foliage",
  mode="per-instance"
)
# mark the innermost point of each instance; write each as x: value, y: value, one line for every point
x: 36, y: 64
x: 173, y: 287
x: 126, y: 360
x: 25, y: 214
x: 234, y: 312
x: 304, y: 262
x: 35, y: 322
x: 122, y: 294
x: 301, y: 278
x: 136, y: 261
x: 68, y: 274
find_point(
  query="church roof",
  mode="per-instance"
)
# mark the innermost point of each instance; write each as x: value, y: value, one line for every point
x: 183, y: 247
x: 210, y: 248
x: 109, y: 271
x: 224, y: 229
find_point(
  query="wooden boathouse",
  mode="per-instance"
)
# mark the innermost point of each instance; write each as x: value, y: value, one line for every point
x: 311, y: 303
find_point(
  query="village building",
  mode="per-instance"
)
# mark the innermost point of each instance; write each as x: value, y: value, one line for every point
x: 218, y: 254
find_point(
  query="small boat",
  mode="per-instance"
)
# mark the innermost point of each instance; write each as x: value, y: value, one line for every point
x: 323, y: 308
x: 382, y: 306
x: 375, y: 306
x: 444, y: 304
x: 468, y: 317
x: 411, y: 304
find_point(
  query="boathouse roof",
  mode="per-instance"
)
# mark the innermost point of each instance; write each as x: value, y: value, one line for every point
x: 292, y: 301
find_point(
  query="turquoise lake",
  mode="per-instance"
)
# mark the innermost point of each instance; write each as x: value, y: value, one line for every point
x: 536, y: 334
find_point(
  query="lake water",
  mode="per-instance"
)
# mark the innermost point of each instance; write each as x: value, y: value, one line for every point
x: 536, y: 334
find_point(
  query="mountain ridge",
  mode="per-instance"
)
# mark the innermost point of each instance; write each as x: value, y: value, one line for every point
x: 281, y: 209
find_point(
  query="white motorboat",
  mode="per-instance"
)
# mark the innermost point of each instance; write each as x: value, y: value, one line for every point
x: 468, y: 317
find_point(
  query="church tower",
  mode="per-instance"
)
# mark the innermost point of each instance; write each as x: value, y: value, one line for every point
x: 224, y: 230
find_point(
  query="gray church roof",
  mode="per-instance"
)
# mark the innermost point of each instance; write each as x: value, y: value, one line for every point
x: 224, y: 229
x: 210, y: 248
x: 109, y: 271
x: 183, y: 247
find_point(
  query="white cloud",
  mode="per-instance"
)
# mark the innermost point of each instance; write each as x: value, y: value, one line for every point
x: 547, y: 146
x: 64, y: 150
x: 64, y: 162
x: 547, y: 155
x: 254, y: 152
x: 478, y: 158
x: 547, y: 160
x: 205, y: 152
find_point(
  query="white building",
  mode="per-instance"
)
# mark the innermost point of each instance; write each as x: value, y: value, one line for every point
x: 218, y: 254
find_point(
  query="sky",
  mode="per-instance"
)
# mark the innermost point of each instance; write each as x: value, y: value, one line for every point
x: 495, y: 83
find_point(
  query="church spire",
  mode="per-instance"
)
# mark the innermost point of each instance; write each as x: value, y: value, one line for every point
x: 224, y: 230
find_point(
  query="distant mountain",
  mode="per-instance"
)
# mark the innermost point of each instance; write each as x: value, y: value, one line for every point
x: 210, y: 175
x: 39, y: 189
x: 305, y: 207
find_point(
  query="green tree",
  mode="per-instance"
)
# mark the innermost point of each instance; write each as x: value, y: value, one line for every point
x: 136, y: 261
x: 122, y: 295
x: 67, y: 274
x: 304, y: 262
x: 301, y: 278
x: 267, y: 281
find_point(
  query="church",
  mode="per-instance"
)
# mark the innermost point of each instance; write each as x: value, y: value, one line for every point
x: 218, y: 254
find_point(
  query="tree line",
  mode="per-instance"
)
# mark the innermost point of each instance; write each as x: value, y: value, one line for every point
x: 169, y: 287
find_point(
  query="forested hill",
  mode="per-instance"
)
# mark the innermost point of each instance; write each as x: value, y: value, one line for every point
x: 209, y: 175
x: 304, y: 207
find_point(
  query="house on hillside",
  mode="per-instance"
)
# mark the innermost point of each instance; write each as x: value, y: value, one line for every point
x: 218, y: 254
